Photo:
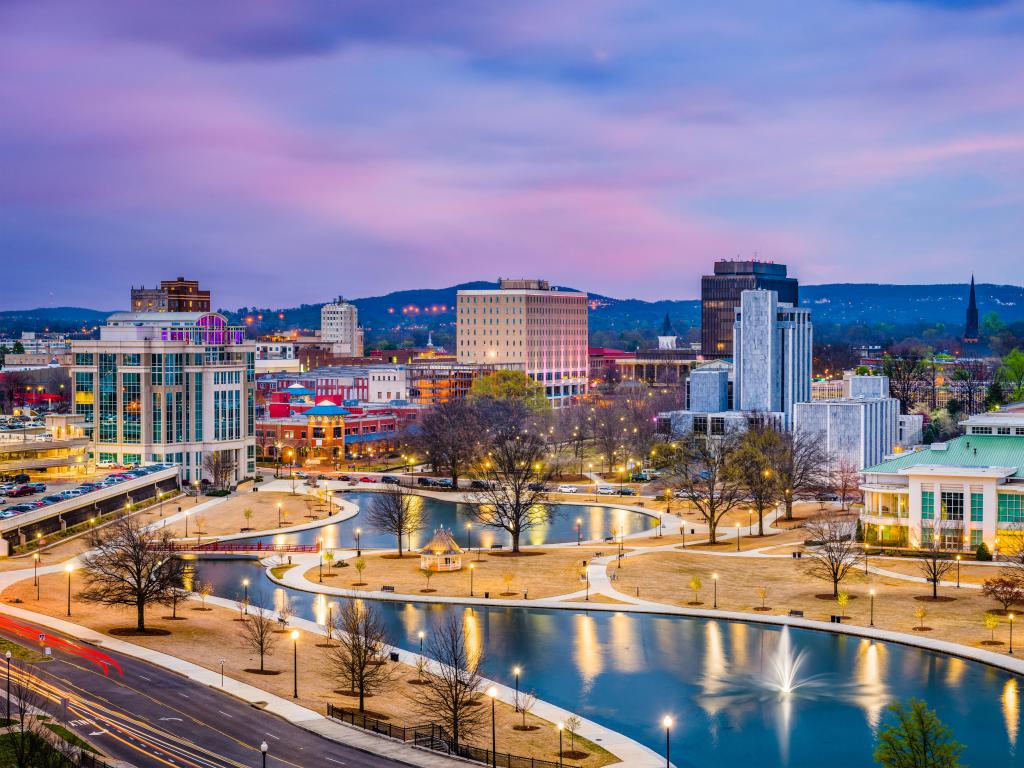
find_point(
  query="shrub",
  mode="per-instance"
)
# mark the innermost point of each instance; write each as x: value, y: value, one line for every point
x: 982, y: 553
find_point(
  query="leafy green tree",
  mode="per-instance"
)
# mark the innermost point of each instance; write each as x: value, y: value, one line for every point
x: 1012, y: 371
x: 994, y: 397
x: 918, y: 739
x: 511, y: 385
x: 991, y: 324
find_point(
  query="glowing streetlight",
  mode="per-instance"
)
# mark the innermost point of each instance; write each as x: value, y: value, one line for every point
x: 579, y: 531
x: 69, y: 568
x: 492, y: 692
x: 359, y: 550
x: 1010, y: 617
x: 872, y: 593
x: 737, y: 537
x: 714, y: 580
x: 958, y: 571
x: 667, y: 723
x: 295, y: 663
x: 561, y: 728
x: 421, y: 634
x: 515, y: 672
x: 245, y: 601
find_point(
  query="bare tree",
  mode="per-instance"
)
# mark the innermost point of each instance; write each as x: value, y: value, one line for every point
x: 450, y: 435
x: 527, y: 702
x: 177, y: 596
x: 220, y: 467
x: 514, y: 474
x: 800, y: 463
x: 752, y: 463
x: 258, y: 630
x: 29, y: 741
x: 935, y: 561
x: 968, y: 382
x: 396, y: 511
x: 909, y: 375
x: 202, y: 589
x: 700, y: 472
x: 610, y: 433
x: 1005, y: 590
x: 130, y: 563
x: 833, y: 548
x: 451, y: 690
x: 360, y: 655
x: 845, y: 478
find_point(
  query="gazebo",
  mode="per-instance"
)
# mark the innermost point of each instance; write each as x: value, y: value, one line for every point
x: 441, y: 553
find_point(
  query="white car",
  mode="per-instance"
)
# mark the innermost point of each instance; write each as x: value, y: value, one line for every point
x: 567, y: 489
x: 606, y: 490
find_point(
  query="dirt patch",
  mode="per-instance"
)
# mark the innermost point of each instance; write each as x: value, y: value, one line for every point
x: 265, y: 672
x: 520, y: 553
x: 134, y: 632
x: 525, y: 728
x: 830, y: 596
x: 930, y: 599
x: 365, y: 713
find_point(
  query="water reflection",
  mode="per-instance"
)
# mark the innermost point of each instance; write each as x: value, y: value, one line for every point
x: 1011, y: 710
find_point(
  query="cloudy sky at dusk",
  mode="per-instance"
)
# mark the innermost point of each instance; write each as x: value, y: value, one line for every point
x: 284, y: 152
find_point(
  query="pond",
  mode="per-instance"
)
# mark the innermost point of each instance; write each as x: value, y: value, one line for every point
x: 717, y: 678
x: 595, y: 521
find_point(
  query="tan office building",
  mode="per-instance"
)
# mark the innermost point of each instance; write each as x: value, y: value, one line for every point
x: 526, y: 325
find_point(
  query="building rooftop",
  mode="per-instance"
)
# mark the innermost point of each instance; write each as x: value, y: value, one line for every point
x: 970, y: 451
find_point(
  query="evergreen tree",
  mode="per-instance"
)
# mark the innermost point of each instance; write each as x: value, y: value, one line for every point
x: 918, y: 739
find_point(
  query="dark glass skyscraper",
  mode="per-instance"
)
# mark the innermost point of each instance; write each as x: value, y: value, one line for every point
x: 720, y: 295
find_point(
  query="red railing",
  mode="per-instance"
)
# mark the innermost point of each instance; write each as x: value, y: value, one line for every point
x: 234, y: 546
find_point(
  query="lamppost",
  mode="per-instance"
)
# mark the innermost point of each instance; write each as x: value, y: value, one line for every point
x: 8, y: 654
x: 579, y: 531
x: 263, y: 750
x: 493, y: 693
x: 186, y: 523
x: 561, y: 728
x: 469, y: 537
x: 195, y: 484
x: 714, y: 580
x: 667, y: 722
x: 35, y: 569
x: 958, y: 571
x: 320, y: 550
x: 872, y: 593
x: 359, y: 549
x: 515, y: 672
x: 737, y: 537
x: 295, y: 663
x: 245, y: 600
x: 421, y: 634
x: 69, y: 568
x: 1010, y: 617
x: 472, y: 567
x: 277, y: 469
x: 279, y: 514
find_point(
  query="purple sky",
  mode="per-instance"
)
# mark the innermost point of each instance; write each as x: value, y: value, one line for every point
x: 292, y: 151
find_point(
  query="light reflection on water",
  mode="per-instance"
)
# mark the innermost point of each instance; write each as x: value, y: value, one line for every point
x: 627, y: 671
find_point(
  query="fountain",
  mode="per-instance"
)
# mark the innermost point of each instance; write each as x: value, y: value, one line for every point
x: 785, y: 666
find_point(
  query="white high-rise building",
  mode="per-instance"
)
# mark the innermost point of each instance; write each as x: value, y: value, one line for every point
x: 772, y: 348
x: 339, y: 327
x: 528, y: 326
x: 171, y: 387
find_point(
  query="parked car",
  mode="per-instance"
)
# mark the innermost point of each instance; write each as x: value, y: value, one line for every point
x: 538, y: 487
x: 827, y: 496
x: 567, y: 489
x: 19, y: 478
x: 344, y: 478
x: 627, y: 491
x: 37, y: 487
x: 53, y: 498
x: 367, y: 480
x: 300, y: 475
x: 445, y: 482
x: 427, y: 482
x: 480, y: 485
x: 21, y: 490
x: 391, y: 480
x: 606, y: 490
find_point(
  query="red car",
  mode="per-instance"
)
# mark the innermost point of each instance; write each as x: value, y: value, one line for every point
x: 367, y: 480
x: 21, y: 490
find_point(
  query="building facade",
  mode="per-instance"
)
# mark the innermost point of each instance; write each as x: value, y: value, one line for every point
x: 339, y: 327
x: 528, y: 326
x: 965, y: 491
x: 772, y: 345
x: 168, y: 387
x: 856, y: 432
x: 720, y: 295
x: 178, y: 295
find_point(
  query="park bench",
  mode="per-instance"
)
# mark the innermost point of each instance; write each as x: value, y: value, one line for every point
x: 796, y: 614
x: 387, y: 588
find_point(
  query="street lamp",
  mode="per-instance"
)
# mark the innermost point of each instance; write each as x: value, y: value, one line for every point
x: 222, y: 663
x: 1010, y: 617
x: 359, y: 550
x: 469, y: 535
x: 69, y: 568
x: 958, y: 571
x: 421, y: 635
x: 295, y: 663
x: 195, y: 483
x: 737, y: 537
x: 279, y: 514
x: 8, y: 686
x: 579, y: 531
x: 561, y: 728
x: 493, y: 693
x: 872, y: 593
x: 515, y: 672
x: 714, y: 580
x: 245, y: 601
x: 35, y: 569
x: 263, y: 750
x: 472, y: 567
x: 667, y: 722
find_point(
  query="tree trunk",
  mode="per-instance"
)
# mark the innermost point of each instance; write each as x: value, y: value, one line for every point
x: 261, y: 660
x: 760, y: 521
x: 515, y: 541
x: 140, y: 618
x: 835, y: 587
x: 399, y: 544
x: 789, y: 507
x: 362, y: 699
x: 712, y: 531
x: 935, y: 588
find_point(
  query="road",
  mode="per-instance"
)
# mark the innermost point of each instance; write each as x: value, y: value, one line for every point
x: 152, y: 718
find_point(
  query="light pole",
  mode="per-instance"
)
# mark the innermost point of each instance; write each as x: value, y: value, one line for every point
x: 472, y: 567
x: 279, y: 514
x: 872, y: 593
x: 579, y: 531
x: 516, y: 671
x: 222, y: 663
x: 667, y: 722
x: 1010, y: 617
x: 245, y: 600
x: 469, y: 537
x: 714, y: 580
x: 421, y: 634
x: 359, y: 549
x: 295, y: 663
x: 493, y: 693
x: 320, y: 550
x: 35, y: 569
x: 737, y: 537
x: 69, y: 568
x: 277, y: 469
x: 958, y: 571
x: 561, y: 727
x: 8, y: 654
x: 263, y: 750
x: 195, y: 484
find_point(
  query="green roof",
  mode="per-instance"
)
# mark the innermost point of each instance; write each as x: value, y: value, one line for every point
x: 966, y: 451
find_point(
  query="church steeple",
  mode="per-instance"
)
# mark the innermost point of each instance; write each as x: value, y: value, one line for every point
x: 971, y: 321
x: 667, y: 337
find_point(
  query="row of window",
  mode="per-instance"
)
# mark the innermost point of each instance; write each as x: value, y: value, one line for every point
x: 1010, y: 506
x: 998, y: 431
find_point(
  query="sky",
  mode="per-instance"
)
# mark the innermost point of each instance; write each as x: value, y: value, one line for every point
x: 289, y: 152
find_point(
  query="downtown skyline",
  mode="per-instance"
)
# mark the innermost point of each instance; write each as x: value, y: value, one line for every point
x: 307, y: 149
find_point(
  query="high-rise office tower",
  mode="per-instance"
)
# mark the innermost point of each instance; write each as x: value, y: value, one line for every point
x: 720, y: 295
x: 772, y: 356
x: 178, y: 295
x: 339, y: 327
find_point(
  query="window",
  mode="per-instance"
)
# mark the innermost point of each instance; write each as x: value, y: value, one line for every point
x: 976, y: 539
x: 981, y: 430
x: 108, y: 399
x: 84, y: 396
x: 84, y: 358
x: 927, y: 505
x: 1011, y: 508
x: 977, y: 507
x: 133, y: 360
x: 131, y: 407
x: 952, y: 505
x: 926, y: 536
x: 1003, y: 431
